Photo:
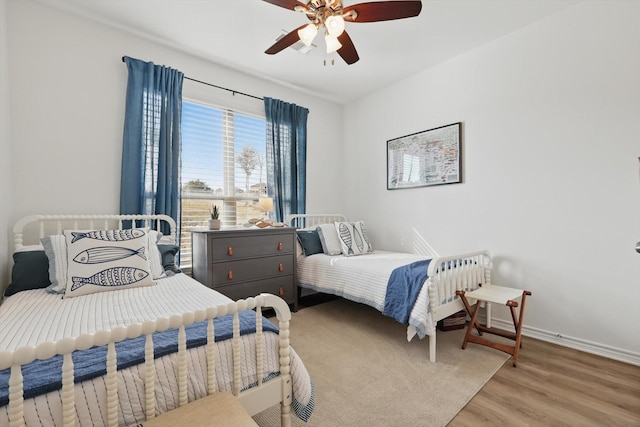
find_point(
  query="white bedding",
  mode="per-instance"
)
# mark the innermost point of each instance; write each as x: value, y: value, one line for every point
x: 364, y: 279
x: 35, y: 316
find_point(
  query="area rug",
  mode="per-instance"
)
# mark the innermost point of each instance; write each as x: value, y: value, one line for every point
x: 367, y: 374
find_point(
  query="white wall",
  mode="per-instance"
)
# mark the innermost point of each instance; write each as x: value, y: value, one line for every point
x: 5, y: 161
x: 67, y: 97
x: 551, y: 119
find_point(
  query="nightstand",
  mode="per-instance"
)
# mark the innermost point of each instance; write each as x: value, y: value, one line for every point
x: 242, y: 263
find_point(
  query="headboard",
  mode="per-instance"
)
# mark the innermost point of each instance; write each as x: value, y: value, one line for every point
x: 309, y: 220
x: 30, y: 229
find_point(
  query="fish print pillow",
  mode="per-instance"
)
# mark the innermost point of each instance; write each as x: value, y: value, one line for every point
x: 106, y: 260
x: 353, y: 238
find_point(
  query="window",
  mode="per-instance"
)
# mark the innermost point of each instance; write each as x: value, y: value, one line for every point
x: 223, y: 163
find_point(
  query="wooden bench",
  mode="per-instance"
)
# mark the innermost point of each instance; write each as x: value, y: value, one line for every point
x: 214, y: 410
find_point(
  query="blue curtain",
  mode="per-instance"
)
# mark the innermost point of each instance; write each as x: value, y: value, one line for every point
x: 286, y: 156
x: 151, y: 145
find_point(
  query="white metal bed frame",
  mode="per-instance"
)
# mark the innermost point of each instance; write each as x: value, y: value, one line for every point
x: 461, y: 271
x: 256, y: 399
x: 59, y: 222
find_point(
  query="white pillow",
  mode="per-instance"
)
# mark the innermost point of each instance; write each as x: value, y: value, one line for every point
x: 353, y: 238
x: 105, y: 260
x: 55, y: 248
x: 329, y: 239
x: 155, y: 258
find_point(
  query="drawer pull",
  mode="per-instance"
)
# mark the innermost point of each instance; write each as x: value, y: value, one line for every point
x: 281, y: 292
x: 230, y: 250
x: 280, y: 246
x: 281, y: 267
x: 230, y: 275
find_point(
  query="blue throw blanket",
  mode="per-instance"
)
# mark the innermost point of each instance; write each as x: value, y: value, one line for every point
x: 43, y: 376
x: 403, y: 288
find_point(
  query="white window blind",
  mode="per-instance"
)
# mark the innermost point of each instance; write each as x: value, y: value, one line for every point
x: 223, y: 163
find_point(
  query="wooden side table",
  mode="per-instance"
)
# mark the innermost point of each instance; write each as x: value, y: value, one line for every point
x: 497, y: 295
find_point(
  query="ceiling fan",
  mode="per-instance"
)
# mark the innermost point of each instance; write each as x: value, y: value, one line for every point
x: 331, y: 15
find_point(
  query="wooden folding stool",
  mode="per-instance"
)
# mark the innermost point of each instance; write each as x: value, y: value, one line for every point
x: 498, y: 295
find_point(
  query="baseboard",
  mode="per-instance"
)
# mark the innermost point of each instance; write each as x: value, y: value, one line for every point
x: 572, y: 342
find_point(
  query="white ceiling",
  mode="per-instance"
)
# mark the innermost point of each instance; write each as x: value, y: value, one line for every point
x: 237, y: 32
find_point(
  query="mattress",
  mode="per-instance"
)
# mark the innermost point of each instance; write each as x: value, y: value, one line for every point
x: 364, y: 279
x: 35, y: 316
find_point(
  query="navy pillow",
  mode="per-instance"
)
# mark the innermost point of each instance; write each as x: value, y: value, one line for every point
x: 310, y: 241
x: 30, y: 271
x: 168, y: 254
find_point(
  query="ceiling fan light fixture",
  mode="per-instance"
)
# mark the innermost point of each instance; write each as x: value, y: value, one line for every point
x: 335, y: 25
x: 331, y: 16
x: 332, y: 43
x: 307, y: 34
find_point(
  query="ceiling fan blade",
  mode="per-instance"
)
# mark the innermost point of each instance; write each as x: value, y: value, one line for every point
x: 287, y: 4
x: 285, y: 41
x: 383, y: 10
x: 348, y: 50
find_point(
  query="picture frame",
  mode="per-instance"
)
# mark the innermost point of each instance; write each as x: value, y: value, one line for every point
x: 427, y: 158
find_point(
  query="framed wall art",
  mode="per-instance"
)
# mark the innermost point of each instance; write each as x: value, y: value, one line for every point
x: 430, y: 157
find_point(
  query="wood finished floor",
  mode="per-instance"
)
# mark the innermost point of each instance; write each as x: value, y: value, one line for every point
x: 553, y: 386
x: 556, y: 386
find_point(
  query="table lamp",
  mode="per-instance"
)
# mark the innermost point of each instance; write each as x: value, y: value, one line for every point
x: 266, y: 205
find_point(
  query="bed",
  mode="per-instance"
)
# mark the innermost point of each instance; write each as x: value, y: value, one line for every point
x: 416, y: 290
x: 125, y: 355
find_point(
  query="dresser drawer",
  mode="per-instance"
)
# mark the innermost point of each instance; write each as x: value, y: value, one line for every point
x: 225, y: 273
x: 229, y: 248
x: 280, y: 286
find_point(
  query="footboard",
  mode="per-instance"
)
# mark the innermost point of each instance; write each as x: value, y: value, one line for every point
x: 449, y: 274
x: 255, y: 399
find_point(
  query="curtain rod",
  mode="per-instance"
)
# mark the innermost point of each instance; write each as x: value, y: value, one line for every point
x: 220, y: 87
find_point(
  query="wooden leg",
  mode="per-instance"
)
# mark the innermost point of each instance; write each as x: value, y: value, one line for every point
x: 518, y: 326
x: 474, y: 323
x: 467, y: 307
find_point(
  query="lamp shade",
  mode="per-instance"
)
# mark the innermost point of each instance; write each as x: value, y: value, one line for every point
x: 266, y: 203
x: 307, y: 34
x: 332, y: 43
x: 334, y: 25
